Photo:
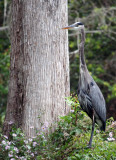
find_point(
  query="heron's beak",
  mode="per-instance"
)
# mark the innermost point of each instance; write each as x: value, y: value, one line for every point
x: 71, y: 26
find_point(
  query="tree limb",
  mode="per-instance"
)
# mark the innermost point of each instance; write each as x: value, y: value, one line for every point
x: 74, y: 52
x: 4, y: 28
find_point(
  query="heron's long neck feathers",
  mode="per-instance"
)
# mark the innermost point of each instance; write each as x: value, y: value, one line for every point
x: 81, y: 48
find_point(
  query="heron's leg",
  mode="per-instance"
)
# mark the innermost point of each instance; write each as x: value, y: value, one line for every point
x: 93, y: 125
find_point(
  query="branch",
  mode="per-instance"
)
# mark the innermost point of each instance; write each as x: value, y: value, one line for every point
x: 74, y: 52
x: 4, y: 28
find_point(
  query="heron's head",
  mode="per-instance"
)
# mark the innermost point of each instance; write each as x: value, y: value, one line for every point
x: 76, y: 25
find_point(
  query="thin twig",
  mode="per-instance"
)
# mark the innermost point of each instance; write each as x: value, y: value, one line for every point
x: 4, y: 28
x: 74, y: 52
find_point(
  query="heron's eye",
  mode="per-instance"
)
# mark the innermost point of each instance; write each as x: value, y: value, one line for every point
x: 80, y: 24
x: 91, y: 84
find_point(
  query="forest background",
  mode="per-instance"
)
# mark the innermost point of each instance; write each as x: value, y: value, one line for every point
x: 99, y: 18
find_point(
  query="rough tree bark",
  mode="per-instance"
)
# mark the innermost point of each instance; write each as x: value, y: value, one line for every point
x: 39, y: 72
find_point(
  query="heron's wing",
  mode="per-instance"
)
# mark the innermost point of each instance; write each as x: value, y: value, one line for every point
x: 85, y: 101
x: 97, y: 99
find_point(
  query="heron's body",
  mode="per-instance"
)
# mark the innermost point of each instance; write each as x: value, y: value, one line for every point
x: 89, y: 94
x: 91, y: 98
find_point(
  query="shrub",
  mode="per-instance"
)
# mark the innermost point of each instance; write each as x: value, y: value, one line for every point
x: 68, y: 142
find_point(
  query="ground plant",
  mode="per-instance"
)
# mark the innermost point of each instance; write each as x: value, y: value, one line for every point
x: 68, y: 142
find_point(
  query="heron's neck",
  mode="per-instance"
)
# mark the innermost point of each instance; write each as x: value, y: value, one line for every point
x: 81, y: 48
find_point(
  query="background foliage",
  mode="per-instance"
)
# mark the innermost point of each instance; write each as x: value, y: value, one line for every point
x: 100, y: 47
x: 4, y: 65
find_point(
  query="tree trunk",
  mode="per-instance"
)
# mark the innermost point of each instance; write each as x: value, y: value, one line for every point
x: 39, y: 72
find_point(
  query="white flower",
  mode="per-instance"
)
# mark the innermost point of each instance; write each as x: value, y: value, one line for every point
x: 16, y: 149
x: 97, y: 131
x: 29, y: 147
x: 7, y: 147
x: 10, y: 122
x: 26, y: 142
x: 9, y: 143
x: 12, y: 159
x: 5, y: 137
x: 28, y: 151
x: 22, y: 134
x: 34, y: 144
x: 110, y: 134
x: 10, y: 154
x: 30, y: 139
x: 111, y: 139
x: 43, y: 128
x: 72, y: 110
x: 32, y: 154
x: 14, y: 135
x: 22, y: 158
x: 38, y: 134
x: 34, y: 137
x: 43, y: 136
x: 3, y: 142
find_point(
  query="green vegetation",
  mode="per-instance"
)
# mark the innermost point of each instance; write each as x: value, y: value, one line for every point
x: 4, y: 77
x: 72, y: 134
x: 68, y: 142
x: 4, y: 66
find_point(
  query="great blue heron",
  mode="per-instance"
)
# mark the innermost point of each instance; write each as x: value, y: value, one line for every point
x: 89, y: 95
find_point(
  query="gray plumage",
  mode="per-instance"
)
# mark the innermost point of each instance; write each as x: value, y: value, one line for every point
x: 89, y: 94
x: 90, y: 97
